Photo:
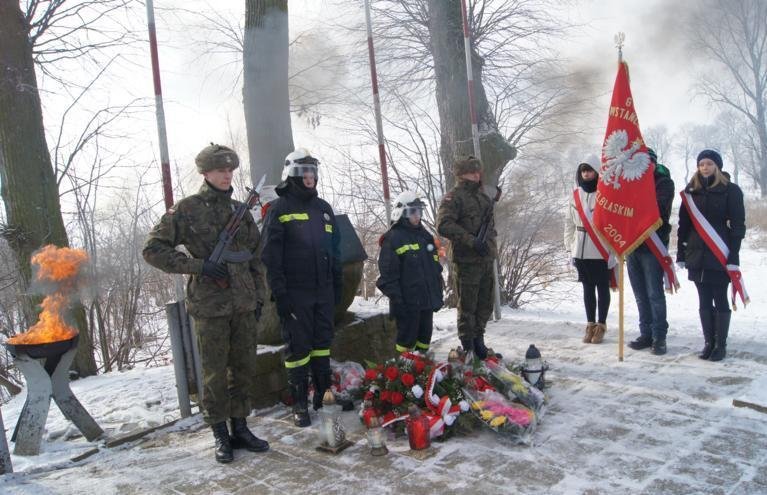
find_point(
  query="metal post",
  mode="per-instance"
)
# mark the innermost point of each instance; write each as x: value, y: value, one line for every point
x: 179, y: 359
x: 377, y: 108
x: 5, y: 455
x: 475, y: 140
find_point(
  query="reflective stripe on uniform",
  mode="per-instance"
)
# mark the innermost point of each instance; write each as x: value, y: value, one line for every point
x: 296, y: 364
x: 421, y: 345
x: 319, y: 353
x: 407, y: 247
x: 293, y: 216
x: 329, y: 228
x: 402, y: 348
x: 436, y: 258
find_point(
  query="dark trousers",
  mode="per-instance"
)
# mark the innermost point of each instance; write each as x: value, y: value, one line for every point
x: 227, y: 356
x: 414, y: 330
x: 310, y: 333
x: 712, y: 297
x: 595, y: 278
x: 646, y: 277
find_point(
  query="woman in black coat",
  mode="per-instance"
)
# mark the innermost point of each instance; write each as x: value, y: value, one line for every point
x: 721, y: 203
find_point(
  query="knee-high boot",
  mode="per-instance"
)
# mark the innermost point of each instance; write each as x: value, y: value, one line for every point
x: 721, y: 329
x: 707, y: 324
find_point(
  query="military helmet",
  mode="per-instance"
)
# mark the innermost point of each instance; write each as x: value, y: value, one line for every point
x: 466, y: 166
x: 216, y: 156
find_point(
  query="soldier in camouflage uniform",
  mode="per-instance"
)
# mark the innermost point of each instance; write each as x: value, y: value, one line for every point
x: 459, y: 219
x: 224, y: 318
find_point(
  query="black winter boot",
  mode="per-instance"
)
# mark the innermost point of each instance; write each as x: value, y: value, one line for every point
x: 224, y: 452
x: 721, y: 329
x: 243, y: 438
x: 479, y: 347
x: 299, y: 389
x: 707, y: 324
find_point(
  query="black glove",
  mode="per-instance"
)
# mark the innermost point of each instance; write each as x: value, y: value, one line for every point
x: 217, y: 271
x: 481, y: 247
x: 284, y: 308
x: 259, y: 309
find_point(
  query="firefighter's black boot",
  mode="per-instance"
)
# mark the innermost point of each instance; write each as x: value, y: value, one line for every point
x: 721, y: 329
x: 224, y: 452
x: 243, y: 438
x: 299, y: 389
x: 321, y: 374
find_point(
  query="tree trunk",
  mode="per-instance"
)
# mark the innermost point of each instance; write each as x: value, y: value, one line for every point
x: 447, y: 48
x: 265, y: 87
x: 29, y: 190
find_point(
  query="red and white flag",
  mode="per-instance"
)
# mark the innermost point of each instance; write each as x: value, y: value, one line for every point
x: 626, y: 211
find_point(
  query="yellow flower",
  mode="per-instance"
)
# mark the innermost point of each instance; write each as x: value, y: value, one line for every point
x: 498, y: 421
x: 477, y: 405
x: 487, y: 415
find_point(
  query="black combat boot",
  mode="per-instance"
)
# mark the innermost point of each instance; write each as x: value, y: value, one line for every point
x: 224, y: 452
x: 721, y: 329
x: 641, y: 342
x: 243, y: 438
x: 468, y: 344
x: 479, y: 347
x: 707, y: 324
x: 299, y: 390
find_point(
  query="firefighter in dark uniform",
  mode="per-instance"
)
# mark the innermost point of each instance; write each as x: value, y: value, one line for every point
x: 459, y: 219
x: 411, y: 274
x: 303, y: 267
x: 224, y: 318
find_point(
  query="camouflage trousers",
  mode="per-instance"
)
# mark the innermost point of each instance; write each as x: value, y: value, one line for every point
x: 474, y: 286
x: 227, y: 353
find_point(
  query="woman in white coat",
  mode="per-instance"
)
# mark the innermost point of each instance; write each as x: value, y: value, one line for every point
x: 593, y: 272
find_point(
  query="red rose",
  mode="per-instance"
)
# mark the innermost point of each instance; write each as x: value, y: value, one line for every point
x: 397, y: 398
x: 391, y: 373
x: 385, y: 396
x: 369, y: 395
x: 371, y: 374
x: 407, y: 379
x: 419, y: 366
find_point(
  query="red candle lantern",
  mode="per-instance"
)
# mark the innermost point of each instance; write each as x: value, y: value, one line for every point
x: 418, y: 430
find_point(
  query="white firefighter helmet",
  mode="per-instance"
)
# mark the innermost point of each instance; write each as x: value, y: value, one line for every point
x: 405, y: 205
x: 298, y: 162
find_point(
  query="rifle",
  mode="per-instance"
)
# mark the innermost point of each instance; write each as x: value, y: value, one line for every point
x: 221, y: 253
x: 485, y: 225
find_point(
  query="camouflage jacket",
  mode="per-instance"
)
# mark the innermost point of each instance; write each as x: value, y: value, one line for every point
x: 460, y: 217
x: 195, y: 222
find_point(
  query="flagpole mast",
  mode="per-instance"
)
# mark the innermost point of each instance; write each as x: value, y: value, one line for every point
x: 377, y: 109
x: 620, y: 38
x: 475, y: 140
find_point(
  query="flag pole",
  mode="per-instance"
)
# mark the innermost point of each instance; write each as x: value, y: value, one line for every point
x: 620, y: 38
x: 475, y: 140
x: 377, y: 109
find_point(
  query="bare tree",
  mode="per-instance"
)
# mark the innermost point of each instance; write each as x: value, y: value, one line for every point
x: 733, y: 33
x: 659, y: 139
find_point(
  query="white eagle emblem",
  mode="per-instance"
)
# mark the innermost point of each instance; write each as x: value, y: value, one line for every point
x: 621, y: 162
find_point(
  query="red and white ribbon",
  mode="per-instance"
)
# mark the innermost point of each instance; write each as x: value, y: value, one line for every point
x: 657, y: 248
x: 588, y: 223
x: 717, y: 246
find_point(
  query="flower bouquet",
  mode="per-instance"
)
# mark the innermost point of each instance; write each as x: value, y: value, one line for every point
x: 347, y: 379
x: 503, y: 377
x: 513, y: 421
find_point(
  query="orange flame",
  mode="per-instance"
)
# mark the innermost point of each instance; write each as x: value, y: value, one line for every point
x: 60, y: 266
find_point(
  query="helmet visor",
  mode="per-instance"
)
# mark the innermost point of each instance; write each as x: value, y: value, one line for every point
x: 412, y: 211
x: 298, y: 170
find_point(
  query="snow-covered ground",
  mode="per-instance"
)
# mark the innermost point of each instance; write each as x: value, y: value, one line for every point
x: 649, y: 424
